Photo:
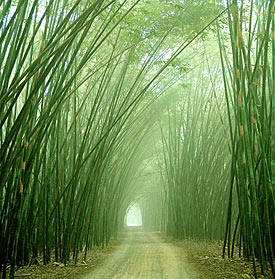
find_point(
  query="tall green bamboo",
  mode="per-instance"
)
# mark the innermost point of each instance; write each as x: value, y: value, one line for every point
x: 41, y: 95
x: 249, y: 86
x: 196, y: 160
x: 71, y: 95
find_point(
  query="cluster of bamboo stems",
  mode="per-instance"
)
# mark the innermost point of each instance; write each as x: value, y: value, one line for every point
x: 67, y: 107
x: 249, y: 78
x: 196, y: 160
x: 73, y: 117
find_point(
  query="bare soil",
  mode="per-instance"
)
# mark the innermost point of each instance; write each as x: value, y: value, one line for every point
x: 145, y: 255
x: 138, y: 254
x: 70, y: 271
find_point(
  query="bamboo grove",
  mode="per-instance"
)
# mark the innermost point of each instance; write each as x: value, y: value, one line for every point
x: 65, y: 133
x: 249, y: 78
x: 95, y: 118
x: 210, y: 155
x: 196, y: 166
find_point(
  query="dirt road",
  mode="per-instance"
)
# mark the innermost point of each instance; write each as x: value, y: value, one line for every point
x: 144, y: 255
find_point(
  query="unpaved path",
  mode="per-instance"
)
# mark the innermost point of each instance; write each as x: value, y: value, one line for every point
x: 144, y: 255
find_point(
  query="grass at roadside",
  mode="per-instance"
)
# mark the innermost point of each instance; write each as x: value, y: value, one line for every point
x: 71, y: 271
x: 206, y: 257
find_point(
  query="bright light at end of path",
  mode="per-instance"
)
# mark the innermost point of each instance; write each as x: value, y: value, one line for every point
x: 133, y: 216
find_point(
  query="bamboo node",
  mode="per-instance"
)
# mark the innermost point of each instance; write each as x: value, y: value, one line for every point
x: 238, y: 73
x: 241, y: 130
x: 23, y: 165
x: 21, y: 188
x: 239, y: 100
x: 25, y: 142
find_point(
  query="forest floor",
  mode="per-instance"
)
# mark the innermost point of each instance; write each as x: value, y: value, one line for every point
x: 138, y: 254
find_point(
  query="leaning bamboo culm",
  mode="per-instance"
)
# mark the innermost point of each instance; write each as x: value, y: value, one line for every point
x: 249, y: 78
